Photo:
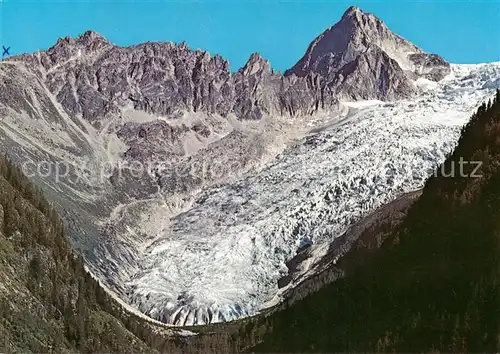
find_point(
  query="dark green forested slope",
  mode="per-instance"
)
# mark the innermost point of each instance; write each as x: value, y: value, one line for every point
x: 49, y: 303
x: 434, y: 285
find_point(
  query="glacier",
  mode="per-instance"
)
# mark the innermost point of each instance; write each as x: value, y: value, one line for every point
x: 220, y: 260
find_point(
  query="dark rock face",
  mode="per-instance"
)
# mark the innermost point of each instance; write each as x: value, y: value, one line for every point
x: 372, y: 75
x: 360, y: 58
x: 259, y: 91
x: 430, y: 66
x: 92, y: 77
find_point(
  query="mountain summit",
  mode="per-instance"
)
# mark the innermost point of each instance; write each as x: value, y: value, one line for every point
x: 360, y: 58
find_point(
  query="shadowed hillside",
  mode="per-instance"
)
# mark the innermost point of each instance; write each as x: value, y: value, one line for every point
x: 47, y: 301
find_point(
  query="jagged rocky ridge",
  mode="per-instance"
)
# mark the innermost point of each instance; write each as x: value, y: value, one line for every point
x: 92, y: 77
x: 164, y: 241
x: 358, y: 58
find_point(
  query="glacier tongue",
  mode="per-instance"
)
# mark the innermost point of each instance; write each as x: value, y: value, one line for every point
x: 220, y: 259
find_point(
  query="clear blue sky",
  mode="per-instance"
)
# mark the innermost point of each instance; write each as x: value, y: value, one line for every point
x: 461, y: 31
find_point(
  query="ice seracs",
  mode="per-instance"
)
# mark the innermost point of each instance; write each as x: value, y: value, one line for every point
x: 223, y: 257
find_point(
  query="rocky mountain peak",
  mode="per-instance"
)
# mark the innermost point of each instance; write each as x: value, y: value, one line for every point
x: 352, y: 35
x: 64, y: 41
x: 360, y: 50
x: 351, y: 10
x: 68, y: 48
x: 91, y: 39
x: 256, y: 64
x: 354, y: 14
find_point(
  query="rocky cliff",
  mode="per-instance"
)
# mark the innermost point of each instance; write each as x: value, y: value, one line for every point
x: 92, y: 77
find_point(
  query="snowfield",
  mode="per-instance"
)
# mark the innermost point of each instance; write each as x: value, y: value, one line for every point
x: 190, y: 250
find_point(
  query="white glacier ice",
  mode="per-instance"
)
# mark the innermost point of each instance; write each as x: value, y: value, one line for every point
x: 220, y: 259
